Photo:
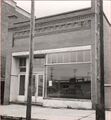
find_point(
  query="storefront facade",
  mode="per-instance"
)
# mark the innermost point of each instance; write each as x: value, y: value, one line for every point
x: 63, y: 65
x: 63, y: 73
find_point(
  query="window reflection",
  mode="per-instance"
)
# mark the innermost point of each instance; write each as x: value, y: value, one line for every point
x: 69, y: 81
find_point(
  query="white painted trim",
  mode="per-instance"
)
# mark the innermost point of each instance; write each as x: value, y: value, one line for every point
x: 23, y: 12
x: 107, y: 85
x: 10, y: 2
x: 68, y: 63
x: 53, y: 50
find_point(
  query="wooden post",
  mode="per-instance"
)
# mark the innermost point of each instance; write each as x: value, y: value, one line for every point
x: 29, y: 95
x: 0, y: 52
x: 100, y: 106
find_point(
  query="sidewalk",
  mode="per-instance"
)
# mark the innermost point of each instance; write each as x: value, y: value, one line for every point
x: 50, y: 113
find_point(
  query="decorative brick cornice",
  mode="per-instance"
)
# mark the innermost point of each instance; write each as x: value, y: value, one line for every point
x: 63, y: 27
x: 56, y: 26
x: 68, y: 26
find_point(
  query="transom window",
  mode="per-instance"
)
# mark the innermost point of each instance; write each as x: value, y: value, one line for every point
x: 22, y: 64
x: 69, y: 57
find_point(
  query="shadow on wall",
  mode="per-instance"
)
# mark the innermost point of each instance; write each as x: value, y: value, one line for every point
x: 15, y: 118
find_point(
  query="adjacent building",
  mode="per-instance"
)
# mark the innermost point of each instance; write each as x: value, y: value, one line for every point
x: 10, y: 13
x: 64, y: 71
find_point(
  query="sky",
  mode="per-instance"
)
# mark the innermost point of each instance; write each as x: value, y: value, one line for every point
x: 48, y: 7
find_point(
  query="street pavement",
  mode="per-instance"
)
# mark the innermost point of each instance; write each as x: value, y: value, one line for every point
x: 44, y: 113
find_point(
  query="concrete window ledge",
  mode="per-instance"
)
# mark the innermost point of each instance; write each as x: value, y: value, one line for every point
x: 76, y: 104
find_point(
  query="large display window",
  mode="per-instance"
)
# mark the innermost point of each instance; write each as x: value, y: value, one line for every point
x: 69, y: 75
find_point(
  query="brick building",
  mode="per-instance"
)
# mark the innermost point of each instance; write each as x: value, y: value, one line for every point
x: 10, y: 13
x: 64, y: 61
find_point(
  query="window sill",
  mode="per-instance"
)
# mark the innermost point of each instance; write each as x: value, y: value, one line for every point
x: 67, y: 99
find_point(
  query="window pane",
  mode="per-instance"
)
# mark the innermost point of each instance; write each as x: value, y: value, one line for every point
x: 22, y: 85
x: 80, y: 56
x: 49, y: 58
x: 87, y: 56
x: 67, y: 57
x: 40, y: 85
x: 22, y: 62
x: 22, y: 69
x: 73, y: 56
x: 60, y: 57
x: 54, y: 58
x: 69, y: 81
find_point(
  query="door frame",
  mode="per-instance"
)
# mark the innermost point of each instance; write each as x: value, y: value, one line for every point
x: 37, y: 98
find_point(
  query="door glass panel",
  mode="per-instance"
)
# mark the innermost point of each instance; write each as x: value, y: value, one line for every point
x: 22, y: 85
x: 40, y: 85
x: 33, y: 86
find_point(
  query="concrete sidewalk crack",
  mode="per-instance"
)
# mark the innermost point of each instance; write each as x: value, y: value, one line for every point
x: 85, y: 116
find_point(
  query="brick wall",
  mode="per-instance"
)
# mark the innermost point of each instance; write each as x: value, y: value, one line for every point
x: 53, y: 41
x: 107, y: 63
